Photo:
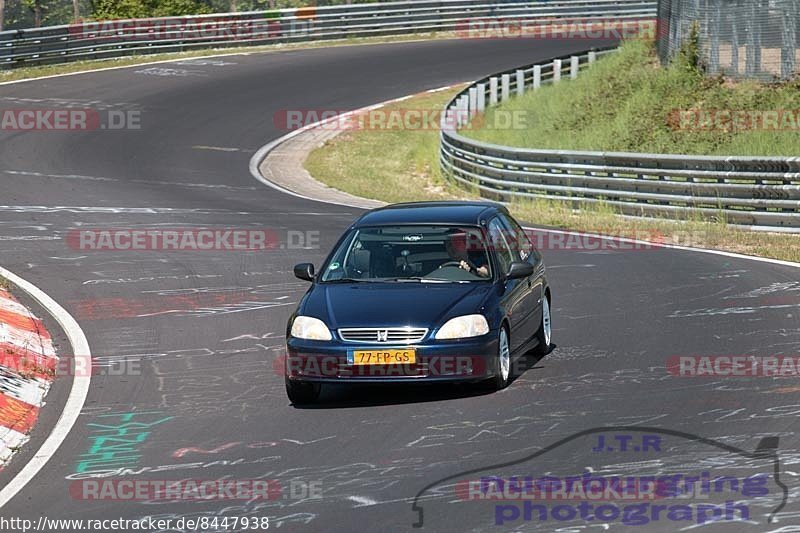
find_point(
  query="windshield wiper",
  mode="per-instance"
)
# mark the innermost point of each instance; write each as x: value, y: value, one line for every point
x: 425, y: 280
x: 347, y: 280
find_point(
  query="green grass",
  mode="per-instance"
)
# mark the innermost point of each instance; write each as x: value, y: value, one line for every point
x: 24, y: 73
x: 393, y: 165
x: 402, y: 165
x: 626, y: 102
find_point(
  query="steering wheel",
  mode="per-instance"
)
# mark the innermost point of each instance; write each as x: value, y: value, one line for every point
x: 451, y: 264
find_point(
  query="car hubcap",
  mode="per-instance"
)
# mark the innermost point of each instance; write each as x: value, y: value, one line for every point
x: 505, y: 355
x: 546, y: 321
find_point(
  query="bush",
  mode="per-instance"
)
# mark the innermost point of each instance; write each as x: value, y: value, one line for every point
x: 129, y: 9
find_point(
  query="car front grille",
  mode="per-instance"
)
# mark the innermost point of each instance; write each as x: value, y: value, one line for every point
x: 382, y: 335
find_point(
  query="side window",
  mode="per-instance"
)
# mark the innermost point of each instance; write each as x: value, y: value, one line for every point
x: 500, y: 245
x: 520, y: 243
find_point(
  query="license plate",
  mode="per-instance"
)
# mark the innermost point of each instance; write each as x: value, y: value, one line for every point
x: 382, y: 357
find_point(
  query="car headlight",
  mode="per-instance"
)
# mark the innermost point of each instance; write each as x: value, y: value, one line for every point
x: 306, y: 327
x: 464, y: 326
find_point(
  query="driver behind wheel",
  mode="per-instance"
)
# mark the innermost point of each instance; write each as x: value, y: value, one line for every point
x: 456, y: 244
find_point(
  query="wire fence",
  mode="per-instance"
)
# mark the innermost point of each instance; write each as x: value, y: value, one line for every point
x: 755, y: 39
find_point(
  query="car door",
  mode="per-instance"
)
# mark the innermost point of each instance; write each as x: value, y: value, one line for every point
x: 522, y: 250
x: 514, y: 290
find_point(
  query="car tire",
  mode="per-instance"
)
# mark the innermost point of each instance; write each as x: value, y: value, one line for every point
x: 300, y: 393
x: 545, y: 332
x: 502, y: 361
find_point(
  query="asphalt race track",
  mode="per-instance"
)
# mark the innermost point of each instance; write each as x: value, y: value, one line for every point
x: 199, y: 332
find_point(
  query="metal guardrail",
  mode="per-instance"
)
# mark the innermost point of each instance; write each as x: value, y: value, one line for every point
x: 116, y: 38
x: 759, y: 192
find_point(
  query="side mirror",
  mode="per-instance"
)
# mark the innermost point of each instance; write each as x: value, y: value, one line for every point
x: 518, y: 269
x: 304, y: 271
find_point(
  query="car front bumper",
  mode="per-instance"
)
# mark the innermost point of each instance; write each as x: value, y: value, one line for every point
x: 459, y: 360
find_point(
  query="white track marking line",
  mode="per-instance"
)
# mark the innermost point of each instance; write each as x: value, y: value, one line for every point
x: 216, y: 148
x: 672, y: 246
x: 362, y: 501
x: 75, y: 400
x: 118, y: 67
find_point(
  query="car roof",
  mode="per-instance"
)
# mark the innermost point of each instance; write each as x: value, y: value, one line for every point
x: 470, y: 213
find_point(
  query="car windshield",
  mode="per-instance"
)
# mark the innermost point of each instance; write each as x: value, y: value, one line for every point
x: 443, y: 254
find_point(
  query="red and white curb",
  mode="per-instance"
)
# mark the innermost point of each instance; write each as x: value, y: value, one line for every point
x: 79, y: 389
x: 27, y: 369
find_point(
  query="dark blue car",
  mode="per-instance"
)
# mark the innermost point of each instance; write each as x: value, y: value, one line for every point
x: 420, y: 292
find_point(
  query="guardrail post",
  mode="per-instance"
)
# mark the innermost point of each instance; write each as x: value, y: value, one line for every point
x: 473, y: 101
x: 505, y: 87
x: 574, y: 64
x: 450, y: 118
x: 447, y: 120
x: 520, y: 82
x: 537, y: 76
x: 556, y: 70
x: 481, y: 97
x: 456, y: 117
x: 592, y: 57
x: 463, y: 110
x: 493, y: 90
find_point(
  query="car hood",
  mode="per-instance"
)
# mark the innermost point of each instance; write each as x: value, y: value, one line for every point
x: 393, y: 304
